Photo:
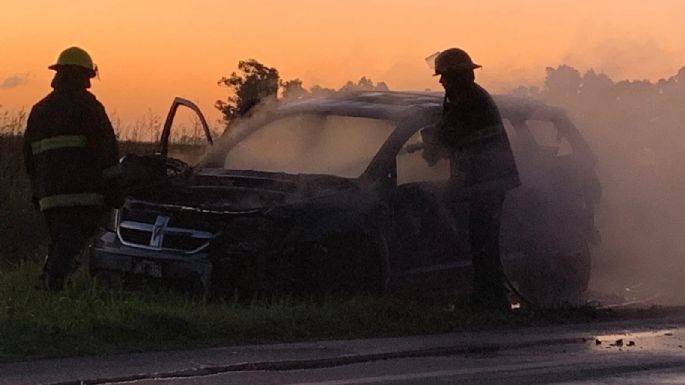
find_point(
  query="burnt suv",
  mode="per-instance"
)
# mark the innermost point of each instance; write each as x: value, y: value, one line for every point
x: 331, y: 194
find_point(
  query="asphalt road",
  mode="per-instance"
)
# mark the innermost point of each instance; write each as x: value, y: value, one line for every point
x: 645, y: 351
x: 653, y: 357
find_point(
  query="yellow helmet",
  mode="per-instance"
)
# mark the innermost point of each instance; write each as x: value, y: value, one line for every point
x: 75, y: 56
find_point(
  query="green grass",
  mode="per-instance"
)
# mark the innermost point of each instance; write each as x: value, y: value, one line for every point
x: 85, y: 319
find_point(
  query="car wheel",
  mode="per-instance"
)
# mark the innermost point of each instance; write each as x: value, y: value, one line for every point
x: 361, y: 263
x: 342, y: 264
x: 545, y: 253
x: 234, y: 278
x: 554, y: 279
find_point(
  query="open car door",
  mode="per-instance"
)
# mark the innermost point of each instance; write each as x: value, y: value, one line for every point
x: 140, y: 172
x: 168, y: 123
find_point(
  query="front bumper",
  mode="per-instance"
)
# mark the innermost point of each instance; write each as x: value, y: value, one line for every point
x: 108, y: 254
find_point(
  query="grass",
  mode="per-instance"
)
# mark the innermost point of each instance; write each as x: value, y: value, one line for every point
x: 22, y: 232
x: 85, y: 319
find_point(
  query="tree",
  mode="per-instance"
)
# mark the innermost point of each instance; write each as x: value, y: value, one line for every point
x: 293, y: 89
x: 562, y: 84
x: 596, y: 85
x: 364, y: 84
x: 318, y: 91
x: 253, y: 83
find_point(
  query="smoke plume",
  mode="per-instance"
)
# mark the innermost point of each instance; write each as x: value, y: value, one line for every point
x: 636, y: 129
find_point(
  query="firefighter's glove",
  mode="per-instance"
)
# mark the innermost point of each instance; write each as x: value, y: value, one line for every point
x: 431, y: 154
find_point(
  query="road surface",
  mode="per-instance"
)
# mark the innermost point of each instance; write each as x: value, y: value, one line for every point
x: 647, y: 351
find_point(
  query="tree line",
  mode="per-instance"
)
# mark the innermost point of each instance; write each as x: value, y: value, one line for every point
x: 255, y: 82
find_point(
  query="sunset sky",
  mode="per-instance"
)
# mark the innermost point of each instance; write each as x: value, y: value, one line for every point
x: 150, y: 51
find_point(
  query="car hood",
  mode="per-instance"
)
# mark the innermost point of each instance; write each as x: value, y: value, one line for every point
x: 235, y: 191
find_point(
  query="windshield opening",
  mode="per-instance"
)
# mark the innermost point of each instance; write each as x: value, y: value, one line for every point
x: 305, y: 144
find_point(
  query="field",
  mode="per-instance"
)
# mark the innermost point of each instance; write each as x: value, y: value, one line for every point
x: 22, y: 232
x: 23, y: 236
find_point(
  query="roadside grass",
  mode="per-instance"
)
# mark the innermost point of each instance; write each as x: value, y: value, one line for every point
x: 85, y: 319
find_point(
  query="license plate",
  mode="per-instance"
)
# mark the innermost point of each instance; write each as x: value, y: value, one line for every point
x: 148, y: 268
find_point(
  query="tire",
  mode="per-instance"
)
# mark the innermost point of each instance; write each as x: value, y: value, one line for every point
x: 343, y: 264
x: 235, y: 279
x: 552, y: 280
x: 545, y: 254
x: 360, y: 262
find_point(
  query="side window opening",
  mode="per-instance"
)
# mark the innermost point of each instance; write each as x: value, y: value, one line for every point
x: 538, y: 136
x: 411, y: 167
x: 546, y: 135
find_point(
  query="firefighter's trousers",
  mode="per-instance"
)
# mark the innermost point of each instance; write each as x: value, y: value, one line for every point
x: 485, y: 212
x: 70, y: 230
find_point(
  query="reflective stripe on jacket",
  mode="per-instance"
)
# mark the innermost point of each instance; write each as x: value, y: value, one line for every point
x: 58, y: 142
x: 70, y: 200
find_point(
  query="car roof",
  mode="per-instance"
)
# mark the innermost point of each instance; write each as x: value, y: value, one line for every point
x: 412, y: 111
x: 398, y: 104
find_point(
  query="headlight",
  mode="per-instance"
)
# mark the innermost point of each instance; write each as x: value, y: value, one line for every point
x: 112, y: 221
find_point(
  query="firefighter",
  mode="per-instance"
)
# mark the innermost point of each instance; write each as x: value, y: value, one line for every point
x: 482, y: 168
x: 71, y: 158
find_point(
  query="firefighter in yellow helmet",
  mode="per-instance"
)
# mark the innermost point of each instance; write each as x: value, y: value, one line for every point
x: 482, y: 167
x: 71, y: 158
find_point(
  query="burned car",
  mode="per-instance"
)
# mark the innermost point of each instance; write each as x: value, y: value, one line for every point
x: 329, y: 194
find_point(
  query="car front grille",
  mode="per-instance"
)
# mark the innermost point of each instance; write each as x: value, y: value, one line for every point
x: 137, y: 237
x: 182, y: 242
x: 159, y: 232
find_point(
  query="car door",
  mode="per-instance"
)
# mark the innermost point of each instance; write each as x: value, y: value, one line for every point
x: 431, y: 242
x: 169, y: 123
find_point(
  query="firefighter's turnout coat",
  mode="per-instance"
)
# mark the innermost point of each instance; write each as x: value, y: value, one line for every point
x: 70, y: 150
x: 472, y: 132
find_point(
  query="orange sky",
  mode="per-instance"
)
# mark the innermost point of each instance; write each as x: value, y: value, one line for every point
x: 150, y: 51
